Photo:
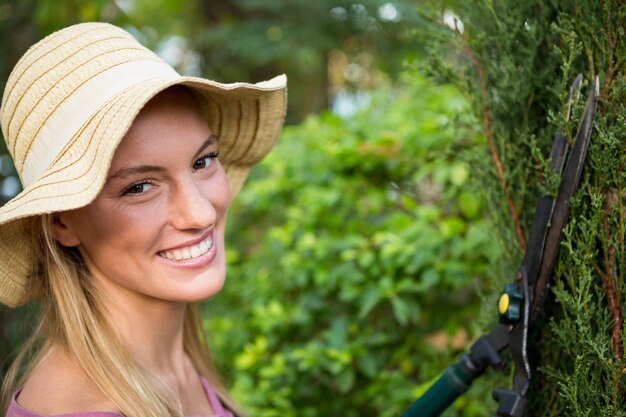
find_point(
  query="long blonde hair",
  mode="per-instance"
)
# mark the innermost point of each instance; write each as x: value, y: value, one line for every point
x: 72, y: 317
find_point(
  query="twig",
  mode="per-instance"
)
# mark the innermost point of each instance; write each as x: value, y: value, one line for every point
x: 608, y: 281
x: 492, y: 147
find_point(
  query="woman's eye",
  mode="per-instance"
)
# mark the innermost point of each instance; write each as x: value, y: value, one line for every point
x: 205, y: 161
x: 138, y: 188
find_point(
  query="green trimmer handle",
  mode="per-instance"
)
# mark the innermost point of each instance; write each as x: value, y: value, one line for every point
x: 452, y: 383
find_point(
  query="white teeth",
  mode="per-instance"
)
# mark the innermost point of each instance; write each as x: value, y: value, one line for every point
x: 188, y: 252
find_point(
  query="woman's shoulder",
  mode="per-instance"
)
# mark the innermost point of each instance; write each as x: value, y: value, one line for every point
x: 57, y: 387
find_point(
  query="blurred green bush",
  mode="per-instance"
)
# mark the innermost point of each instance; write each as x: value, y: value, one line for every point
x: 356, y: 256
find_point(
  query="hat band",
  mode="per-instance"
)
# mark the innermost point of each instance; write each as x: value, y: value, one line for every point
x: 79, y: 108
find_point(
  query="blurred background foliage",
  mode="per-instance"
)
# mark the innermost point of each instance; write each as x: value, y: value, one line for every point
x: 361, y: 249
x: 359, y: 261
x: 325, y: 46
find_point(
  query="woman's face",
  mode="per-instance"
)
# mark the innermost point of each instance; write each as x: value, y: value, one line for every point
x: 156, y: 230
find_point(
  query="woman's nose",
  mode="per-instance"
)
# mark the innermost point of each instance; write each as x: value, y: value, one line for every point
x: 191, y: 207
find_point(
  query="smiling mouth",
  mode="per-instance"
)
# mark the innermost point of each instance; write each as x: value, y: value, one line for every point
x: 189, y: 252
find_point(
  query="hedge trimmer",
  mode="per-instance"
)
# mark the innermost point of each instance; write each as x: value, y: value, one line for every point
x: 521, y: 302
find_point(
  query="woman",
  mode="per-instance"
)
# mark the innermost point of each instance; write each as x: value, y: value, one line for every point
x: 128, y: 170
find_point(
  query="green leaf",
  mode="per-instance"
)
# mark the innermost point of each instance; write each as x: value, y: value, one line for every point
x: 401, y: 310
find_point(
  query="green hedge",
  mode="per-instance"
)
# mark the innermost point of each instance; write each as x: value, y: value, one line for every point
x: 515, y: 62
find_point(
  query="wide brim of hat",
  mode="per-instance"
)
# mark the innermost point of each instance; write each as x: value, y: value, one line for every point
x: 246, y: 118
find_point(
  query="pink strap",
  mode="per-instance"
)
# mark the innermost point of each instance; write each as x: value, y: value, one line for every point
x: 215, y: 402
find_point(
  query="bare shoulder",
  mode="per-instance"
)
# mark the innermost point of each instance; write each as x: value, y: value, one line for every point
x: 56, y: 386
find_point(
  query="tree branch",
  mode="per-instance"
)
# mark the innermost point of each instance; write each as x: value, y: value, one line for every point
x: 492, y: 147
x: 608, y: 284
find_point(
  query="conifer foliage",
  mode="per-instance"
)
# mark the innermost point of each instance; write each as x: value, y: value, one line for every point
x: 516, y: 61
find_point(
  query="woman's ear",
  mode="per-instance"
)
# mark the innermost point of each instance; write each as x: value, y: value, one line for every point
x: 62, y: 233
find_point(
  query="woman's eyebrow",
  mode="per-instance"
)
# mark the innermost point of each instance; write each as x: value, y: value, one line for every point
x: 130, y: 171
x: 142, y: 169
x: 210, y: 141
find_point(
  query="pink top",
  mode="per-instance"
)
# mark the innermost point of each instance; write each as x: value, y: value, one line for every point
x: 15, y: 410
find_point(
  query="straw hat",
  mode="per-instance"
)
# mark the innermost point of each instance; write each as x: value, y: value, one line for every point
x: 68, y: 103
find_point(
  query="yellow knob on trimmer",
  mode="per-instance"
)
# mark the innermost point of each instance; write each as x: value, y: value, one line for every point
x: 503, y: 304
x: 510, y: 304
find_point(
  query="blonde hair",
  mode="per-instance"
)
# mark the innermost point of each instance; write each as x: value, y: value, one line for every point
x: 72, y: 317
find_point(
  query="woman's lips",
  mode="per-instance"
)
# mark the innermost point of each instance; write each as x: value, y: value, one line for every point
x: 189, y: 252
